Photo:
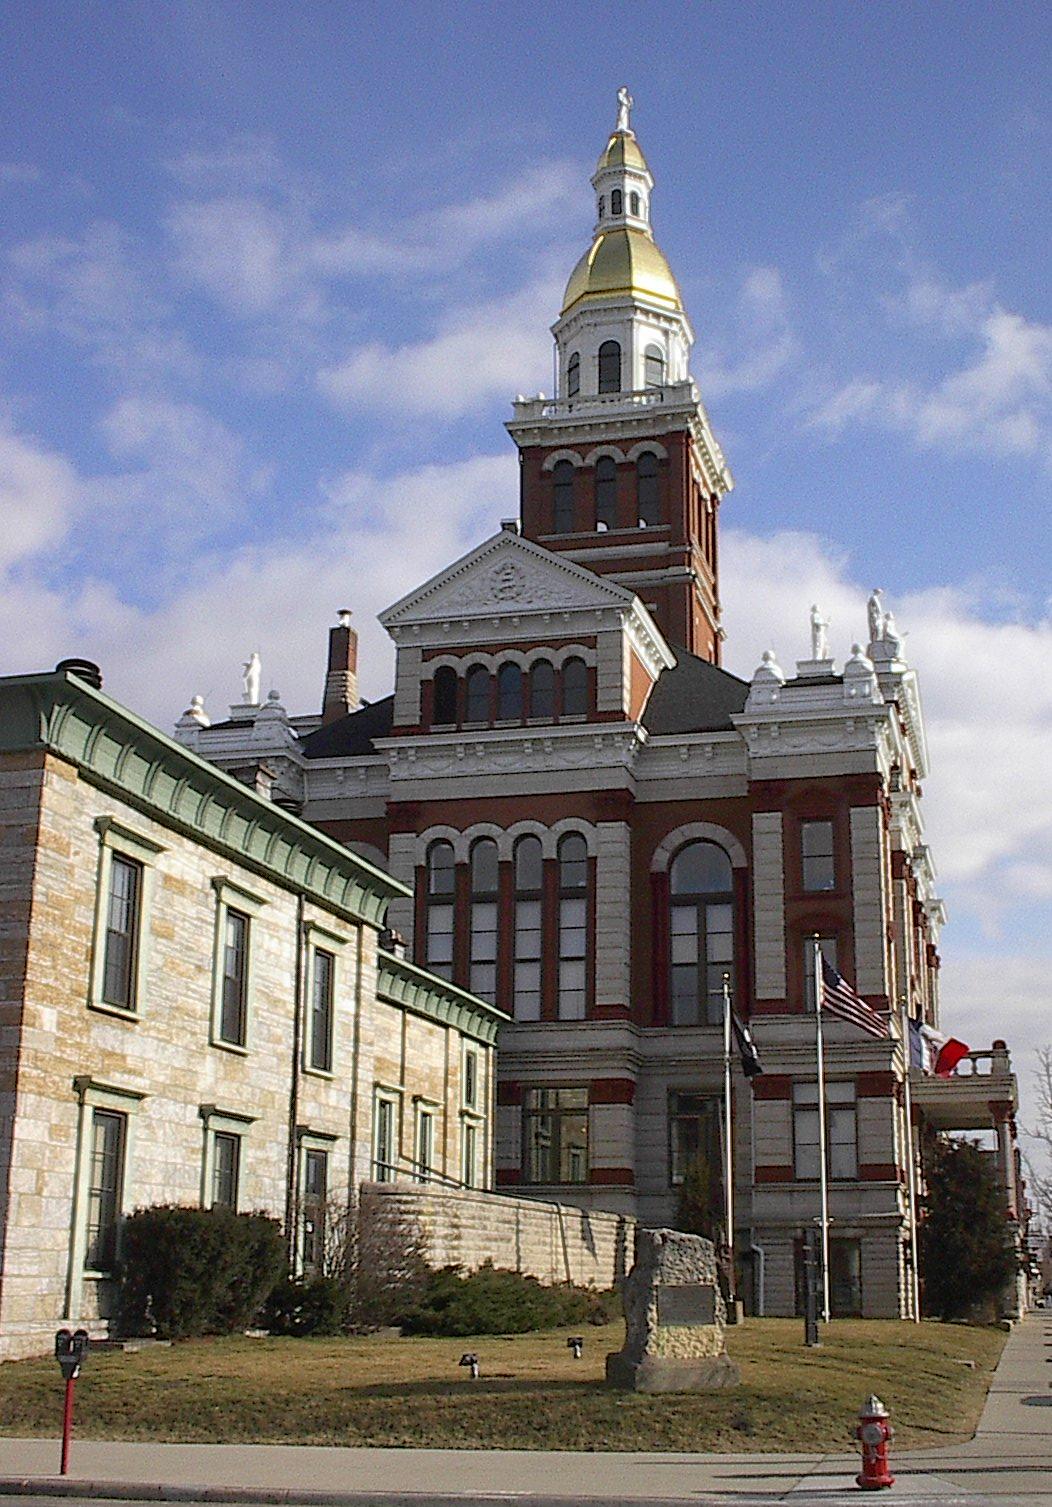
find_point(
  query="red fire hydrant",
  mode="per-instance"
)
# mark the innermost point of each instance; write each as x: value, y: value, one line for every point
x: 874, y: 1433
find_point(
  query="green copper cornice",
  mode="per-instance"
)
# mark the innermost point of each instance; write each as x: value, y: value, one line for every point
x: 117, y: 751
x: 403, y: 983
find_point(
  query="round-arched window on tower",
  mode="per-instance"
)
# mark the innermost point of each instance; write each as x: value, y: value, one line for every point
x: 617, y: 202
x: 653, y: 366
x: 609, y: 366
x: 562, y: 497
x: 573, y: 375
x: 602, y: 205
x: 633, y: 204
x: 605, y: 493
x: 648, y: 496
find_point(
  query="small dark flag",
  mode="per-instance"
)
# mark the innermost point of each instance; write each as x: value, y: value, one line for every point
x: 750, y: 1057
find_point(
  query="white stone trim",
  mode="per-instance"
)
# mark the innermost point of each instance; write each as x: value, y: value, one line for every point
x: 550, y: 461
x: 613, y: 451
x: 613, y: 913
x: 525, y: 659
x: 114, y: 837
x: 692, y: 832
x: 644, y: 445
x: 93, y: 1095
x: 768, y: 878
x: 868, y: 900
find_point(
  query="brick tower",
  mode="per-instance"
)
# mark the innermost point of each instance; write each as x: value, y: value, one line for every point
x: 621, y: 470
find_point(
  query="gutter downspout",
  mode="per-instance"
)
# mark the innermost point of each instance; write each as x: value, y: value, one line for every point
x: 294, y: 1091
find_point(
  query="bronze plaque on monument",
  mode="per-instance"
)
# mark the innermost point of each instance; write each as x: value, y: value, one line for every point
x: 687, y: 1305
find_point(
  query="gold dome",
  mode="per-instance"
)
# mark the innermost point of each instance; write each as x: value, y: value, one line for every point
x: 622, y: 150
x: 624, y: 261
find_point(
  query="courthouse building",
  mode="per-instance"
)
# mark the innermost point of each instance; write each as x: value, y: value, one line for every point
x: 599, y: 823
x: 197, y: 1006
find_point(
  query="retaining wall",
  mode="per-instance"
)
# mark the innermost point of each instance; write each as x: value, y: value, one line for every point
x: 466, y: 1227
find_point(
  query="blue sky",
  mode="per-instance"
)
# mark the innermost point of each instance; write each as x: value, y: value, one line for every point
x: 270, y: 276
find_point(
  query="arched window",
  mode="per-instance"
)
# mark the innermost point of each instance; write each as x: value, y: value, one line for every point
x: 653, y: 366
x: 617, y: 202
x: 526, y: 985
x: 648, y: 501
x: 602, y: 205
x: 438, y: 934
x: 633, y: 204
x: 609, y: 366
x: 542, y: 689
x: 444, y: 709
x: 575, y: 688
x: 573, y: 926
x: 476, y: 699
x: 701, y: 903
x: 573, y: 375
x: 482, y: 957
x: 562, y: 496
x: 509, y: 693
x: 605, y: 492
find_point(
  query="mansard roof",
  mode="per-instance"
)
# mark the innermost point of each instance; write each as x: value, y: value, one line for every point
x: 351, y: 736
x: 694, y: 697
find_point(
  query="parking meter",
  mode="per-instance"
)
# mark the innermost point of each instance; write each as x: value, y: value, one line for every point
x: 71, y: 1349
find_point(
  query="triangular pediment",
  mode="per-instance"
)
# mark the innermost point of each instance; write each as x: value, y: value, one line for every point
x: 505, y: 575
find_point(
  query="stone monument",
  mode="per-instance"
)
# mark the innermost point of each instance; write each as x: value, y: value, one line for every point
x: 674, y: 1318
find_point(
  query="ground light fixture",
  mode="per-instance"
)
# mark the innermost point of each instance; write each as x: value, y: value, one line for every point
x: 576, y: 1344
x: 470, y: 1359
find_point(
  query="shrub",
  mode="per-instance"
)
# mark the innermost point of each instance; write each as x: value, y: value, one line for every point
x: 301, y: 1306
x: 196, y: 1271
x: 492, y: 1301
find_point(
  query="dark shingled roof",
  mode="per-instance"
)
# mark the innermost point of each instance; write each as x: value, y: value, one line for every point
x: 694, y: 697
x: 351, y: 735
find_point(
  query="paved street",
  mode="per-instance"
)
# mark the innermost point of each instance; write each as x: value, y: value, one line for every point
x: 1009, y: 1462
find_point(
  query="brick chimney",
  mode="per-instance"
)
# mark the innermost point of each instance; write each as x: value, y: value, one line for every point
x: 341, y: 681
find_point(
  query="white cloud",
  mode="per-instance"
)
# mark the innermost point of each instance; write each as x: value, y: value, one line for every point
x: 477, y: 354
x: 38, y: 494
x: 997, y: 401
x: 761, y: 339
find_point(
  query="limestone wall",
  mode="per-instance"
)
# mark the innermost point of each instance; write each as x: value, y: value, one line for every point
x: 553, y: 1242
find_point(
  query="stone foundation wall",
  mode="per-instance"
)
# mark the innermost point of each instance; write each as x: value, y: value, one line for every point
x: 550, y: 1241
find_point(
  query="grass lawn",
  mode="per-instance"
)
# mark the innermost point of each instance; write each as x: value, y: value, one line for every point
x: 532, y: 1394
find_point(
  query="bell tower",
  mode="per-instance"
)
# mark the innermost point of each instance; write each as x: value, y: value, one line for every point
x: 620, y: 469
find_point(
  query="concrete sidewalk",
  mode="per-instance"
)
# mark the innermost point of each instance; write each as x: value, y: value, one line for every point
x: 1008, y: 1461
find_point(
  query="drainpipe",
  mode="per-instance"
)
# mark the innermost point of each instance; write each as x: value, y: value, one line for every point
x: 761, y: 1264
x: 294, y: 1089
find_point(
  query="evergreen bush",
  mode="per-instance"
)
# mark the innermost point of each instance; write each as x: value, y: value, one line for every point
x: 301, y: 1306
x: 493, y: 1301
x: 966, y: 1255
x: 189, y: 1272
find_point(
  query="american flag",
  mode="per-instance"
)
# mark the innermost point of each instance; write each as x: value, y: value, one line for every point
x: 841, y: 1000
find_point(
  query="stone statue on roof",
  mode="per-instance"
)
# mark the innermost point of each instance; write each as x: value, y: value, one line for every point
x: 252, y: 672
x: 875, y: 612
x: 624, y: 107
x: 819, y: 634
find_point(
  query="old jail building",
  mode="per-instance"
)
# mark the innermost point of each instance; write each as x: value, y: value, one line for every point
x: 196, y: 1007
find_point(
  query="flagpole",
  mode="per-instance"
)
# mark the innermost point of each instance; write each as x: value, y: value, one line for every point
x: 728, y: 1133
x: 911, y: 1168
x: 823, y: 1178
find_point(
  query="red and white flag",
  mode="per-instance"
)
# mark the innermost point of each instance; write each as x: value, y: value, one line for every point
x: 946, y: 1051
x: 840, y: 999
